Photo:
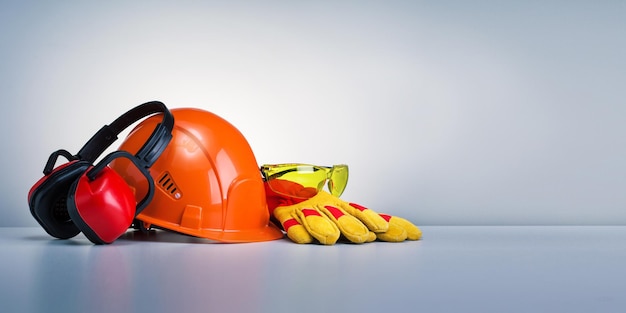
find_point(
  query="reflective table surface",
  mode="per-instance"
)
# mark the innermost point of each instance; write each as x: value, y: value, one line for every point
x: 453, y: 269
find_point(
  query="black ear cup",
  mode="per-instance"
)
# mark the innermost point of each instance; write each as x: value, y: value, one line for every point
x: 48, y: 200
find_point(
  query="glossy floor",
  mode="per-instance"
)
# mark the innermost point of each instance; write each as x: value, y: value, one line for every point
x: 453, y: 269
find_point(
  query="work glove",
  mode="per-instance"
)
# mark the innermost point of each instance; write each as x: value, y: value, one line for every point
x: 319, y: 216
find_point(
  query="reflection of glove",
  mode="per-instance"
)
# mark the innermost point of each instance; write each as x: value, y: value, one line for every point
x: 324, y: 218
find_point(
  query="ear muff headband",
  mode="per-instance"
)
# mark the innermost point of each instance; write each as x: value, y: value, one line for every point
x: 153, y: 147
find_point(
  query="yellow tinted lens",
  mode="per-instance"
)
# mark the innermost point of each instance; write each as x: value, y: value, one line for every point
x: 338, y: 180
x: 296, y: 179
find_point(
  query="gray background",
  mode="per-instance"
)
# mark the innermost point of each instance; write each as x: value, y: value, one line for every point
x: 448, y: 112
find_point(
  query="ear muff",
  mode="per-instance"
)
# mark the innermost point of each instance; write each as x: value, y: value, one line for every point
x: 78, y: 196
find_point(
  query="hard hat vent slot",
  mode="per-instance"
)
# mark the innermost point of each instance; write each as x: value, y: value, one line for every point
x: 167, y: 183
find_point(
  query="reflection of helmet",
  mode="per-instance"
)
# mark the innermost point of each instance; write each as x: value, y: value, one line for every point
x: 207, y: 180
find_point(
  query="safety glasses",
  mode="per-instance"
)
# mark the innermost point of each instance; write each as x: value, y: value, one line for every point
x: 292, y: 179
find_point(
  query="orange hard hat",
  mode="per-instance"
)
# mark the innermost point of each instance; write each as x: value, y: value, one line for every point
x: 207, y: 180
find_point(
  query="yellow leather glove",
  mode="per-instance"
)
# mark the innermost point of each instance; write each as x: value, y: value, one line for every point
x: 324, y: 218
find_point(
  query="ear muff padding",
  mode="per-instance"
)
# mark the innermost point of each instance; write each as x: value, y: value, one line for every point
x: 48, y: 200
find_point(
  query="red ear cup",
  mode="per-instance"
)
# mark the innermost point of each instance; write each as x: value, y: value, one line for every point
x: 102, y: 208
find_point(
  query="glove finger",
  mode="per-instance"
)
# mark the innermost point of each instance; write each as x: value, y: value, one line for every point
x: 371, y: 219
x: 295, y: 231
x: 395, y: 233
x: 412, y: 231
x: 371, y: 237
x: 350, y: 227
x: 400, y: 229
x: 318, y: 225
x: 368, y: 217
